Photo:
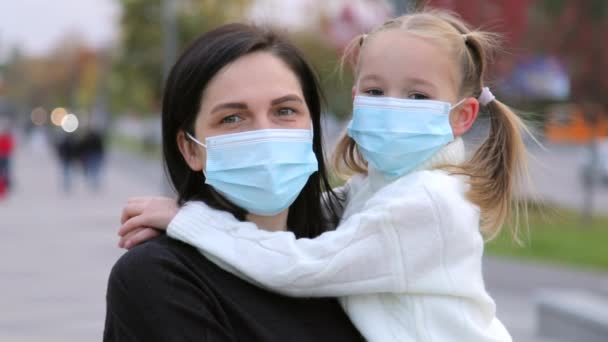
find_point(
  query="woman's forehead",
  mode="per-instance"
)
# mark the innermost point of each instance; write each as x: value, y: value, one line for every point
x: 257, y: 75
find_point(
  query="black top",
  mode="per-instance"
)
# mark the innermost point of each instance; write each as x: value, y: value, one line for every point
x: 165, y: 290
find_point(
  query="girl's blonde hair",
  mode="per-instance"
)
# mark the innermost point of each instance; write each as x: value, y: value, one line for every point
x: 500, y: 161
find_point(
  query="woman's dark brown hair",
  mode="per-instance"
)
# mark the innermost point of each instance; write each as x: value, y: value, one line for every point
x: 311, y: 212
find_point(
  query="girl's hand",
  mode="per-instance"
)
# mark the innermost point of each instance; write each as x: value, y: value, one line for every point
x: 143, y: 218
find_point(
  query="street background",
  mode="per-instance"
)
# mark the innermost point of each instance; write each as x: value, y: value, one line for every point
x: 80, y: 88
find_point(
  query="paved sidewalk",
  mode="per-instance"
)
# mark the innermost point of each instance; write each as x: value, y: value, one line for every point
x: 57, y: 249
x: 514, y: 285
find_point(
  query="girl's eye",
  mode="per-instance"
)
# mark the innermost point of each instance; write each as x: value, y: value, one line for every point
x: 231, y: 119
x: 374, y: 92
x: 286, y: 111
x: 418, y: 96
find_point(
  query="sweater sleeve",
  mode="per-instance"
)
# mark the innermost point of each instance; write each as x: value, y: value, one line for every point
x: 363, y: 255
x: 356, y: 258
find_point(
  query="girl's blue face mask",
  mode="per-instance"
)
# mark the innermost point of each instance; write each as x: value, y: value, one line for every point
x: 397, y: 135
x: 261, y: 171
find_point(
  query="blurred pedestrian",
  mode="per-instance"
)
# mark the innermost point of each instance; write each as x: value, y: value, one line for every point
x: 92, y: 153
x: 7, y: 144
x: 68, y: 153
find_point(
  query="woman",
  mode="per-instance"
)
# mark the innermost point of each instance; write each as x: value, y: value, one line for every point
x: 237, y: 114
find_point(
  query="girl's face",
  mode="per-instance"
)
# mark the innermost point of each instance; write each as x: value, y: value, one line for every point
x: 257, y: 91
x: 397, y: 64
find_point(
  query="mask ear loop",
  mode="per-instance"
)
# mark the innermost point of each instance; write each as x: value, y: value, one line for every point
x: 196, y: 140
x: 457, y: 103
x: 199, y: 143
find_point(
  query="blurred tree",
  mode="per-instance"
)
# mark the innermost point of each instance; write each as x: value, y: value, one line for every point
x: 66, y: 77
x: 325, y: 60
x: 137, y: 69
x: 577, y: 32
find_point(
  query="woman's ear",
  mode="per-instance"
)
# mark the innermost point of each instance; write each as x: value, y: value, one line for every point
x: 463, y: 116
x: 354, y: 92
x: 191, y: 152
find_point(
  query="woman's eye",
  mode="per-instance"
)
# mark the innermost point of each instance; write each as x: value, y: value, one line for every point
x: 374, y: 92
x: 231, y: 119
x: 418, y: 96
x: 285, y: 112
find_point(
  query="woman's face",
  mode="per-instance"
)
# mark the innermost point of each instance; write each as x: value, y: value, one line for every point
x: 257, y: 91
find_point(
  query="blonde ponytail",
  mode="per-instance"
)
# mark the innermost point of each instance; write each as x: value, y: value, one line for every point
x: 496, y: 168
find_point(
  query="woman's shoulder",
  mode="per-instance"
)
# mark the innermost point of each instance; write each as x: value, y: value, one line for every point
x: 152, y: 261
x: 158, y: 250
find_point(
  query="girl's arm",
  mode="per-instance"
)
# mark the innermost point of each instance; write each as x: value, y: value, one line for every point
x: 352, y: 259
x: 366, y: 254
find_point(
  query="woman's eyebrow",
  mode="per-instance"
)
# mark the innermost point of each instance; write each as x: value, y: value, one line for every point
x: 286, y: 98
x: 229, y: 105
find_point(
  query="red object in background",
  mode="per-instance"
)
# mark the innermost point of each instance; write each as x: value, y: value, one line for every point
x: 2, y: 188
x: 508, y: 18
x: 6, y: 144
x: 353, y: 18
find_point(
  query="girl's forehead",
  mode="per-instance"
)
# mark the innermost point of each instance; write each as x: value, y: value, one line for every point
x: 397, y: 53
x: 401, y: 45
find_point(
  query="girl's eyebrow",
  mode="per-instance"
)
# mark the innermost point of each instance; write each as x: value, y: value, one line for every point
x: 371, y: 77
x: 419, y: 81
x: 416, y: 81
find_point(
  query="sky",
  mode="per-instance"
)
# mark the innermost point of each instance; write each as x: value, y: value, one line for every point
x: 37, y: 25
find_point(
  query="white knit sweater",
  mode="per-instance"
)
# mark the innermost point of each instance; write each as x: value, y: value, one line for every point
x: 405, y: 259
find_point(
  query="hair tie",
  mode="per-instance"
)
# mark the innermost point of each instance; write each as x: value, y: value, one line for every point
x: 486, y: 96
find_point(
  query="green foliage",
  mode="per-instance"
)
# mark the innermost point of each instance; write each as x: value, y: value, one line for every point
x: 553, y: 7
x: 336, y: 85
x: 136, y: 76
x: 558, y: 236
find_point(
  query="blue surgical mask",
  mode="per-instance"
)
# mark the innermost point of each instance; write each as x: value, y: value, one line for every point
x: 261, y: 171
x: 397, y: 135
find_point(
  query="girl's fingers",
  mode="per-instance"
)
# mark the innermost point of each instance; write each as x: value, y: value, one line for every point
x: 132, y: 224
x: 130, y: 210
x: 140, y: 236
x: 127, y: 236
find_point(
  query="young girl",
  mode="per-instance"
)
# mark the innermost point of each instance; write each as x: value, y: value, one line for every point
x: 406, y: 257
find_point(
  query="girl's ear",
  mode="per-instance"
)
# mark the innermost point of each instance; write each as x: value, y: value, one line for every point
x: 354, y: 91
x: 463, y: 116
x: 191, y: 152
